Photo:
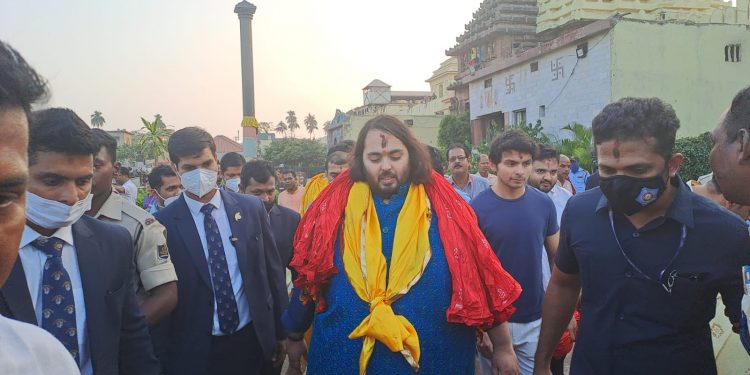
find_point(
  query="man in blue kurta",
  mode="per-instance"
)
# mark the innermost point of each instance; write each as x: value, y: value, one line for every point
x: 375, y: 276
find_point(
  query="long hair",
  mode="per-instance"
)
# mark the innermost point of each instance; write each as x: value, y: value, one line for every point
x: 420, y: 164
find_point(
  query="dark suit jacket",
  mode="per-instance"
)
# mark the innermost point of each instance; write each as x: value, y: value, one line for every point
x: 191, y: 322
x: 119, y: 342
x: 284, y: 222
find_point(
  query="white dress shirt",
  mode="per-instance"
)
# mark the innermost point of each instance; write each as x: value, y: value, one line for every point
x: 30, y: 350
x: 131, y: 191
x: 560, y: 197
x: 222, y: 221
x: 33, y: 261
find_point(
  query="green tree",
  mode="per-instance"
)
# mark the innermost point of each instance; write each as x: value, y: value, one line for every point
x: 291, y: 122
x: 311, y: 124
x: 454, y: 129
x: 281, y: 128
x: 536, y: 132
x: 152, y: 138
x: 132, y: 152
x: 97, y: 120
x: 299, y: 154
x: 579, y: 144
x: 696, y: 150
x: 265, y: 127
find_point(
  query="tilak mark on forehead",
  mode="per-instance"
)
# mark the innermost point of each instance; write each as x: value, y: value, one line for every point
x: 616, y: 149
x: 383, y: 140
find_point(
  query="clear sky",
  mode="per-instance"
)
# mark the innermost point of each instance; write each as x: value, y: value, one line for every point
x: 181, y: 59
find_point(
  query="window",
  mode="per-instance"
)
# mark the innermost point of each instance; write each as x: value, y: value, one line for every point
x: 488, y: 83
x: 732, y: 53
x: 440, y: 90
x: 409, y: 122
x: 519, y: 117
x: 542, y: 111
x: 534, y: 66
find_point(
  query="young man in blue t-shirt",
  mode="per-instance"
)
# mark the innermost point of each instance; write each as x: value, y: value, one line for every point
x: 518, y: 223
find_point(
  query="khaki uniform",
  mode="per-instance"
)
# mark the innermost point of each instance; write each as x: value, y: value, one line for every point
x: 152, y: 263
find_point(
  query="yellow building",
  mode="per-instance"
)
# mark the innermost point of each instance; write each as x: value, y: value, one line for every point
x: 421, y: 111
x: 590, y: 53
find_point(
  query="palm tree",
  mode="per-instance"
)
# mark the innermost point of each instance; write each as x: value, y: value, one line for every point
x: 311, y: 124
x: 152, y: 137
x: 580, y: 144
x: 281, y: 128
x: 97, y: 120
x: 291, y: 120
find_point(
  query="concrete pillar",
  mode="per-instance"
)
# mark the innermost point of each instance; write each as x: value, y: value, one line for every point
x: 245, y: 12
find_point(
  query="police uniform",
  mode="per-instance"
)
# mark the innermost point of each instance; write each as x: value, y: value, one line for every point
x: 153, y: 266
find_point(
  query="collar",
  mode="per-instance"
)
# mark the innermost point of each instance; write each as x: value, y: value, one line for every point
x: 468, y: 183
x: 29, y: 235
x: 681, y: 209
x: 400, y: 196
x: 195, y: 207
x: 112, y: 207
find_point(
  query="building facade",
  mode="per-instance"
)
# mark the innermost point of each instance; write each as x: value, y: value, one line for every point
x: 689, y: 57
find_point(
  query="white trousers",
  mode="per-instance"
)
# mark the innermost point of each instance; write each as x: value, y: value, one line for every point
x: 525, y: 337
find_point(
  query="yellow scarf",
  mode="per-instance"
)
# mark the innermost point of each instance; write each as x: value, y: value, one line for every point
x: 365, y: 268
x: 314, y: 186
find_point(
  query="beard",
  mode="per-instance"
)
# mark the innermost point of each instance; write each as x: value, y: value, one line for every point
x: 386, y: 184
x: 545, y: 186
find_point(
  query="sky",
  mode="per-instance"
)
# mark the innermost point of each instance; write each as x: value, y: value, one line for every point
x: 181, y: 59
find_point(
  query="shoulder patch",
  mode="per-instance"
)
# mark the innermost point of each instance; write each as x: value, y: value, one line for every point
x: 150, y: 221
x: 162, y: 252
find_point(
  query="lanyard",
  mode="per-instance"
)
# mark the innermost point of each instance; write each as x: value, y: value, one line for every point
x: 670, y: 280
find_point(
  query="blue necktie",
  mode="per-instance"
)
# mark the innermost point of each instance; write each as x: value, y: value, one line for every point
x: 217, y: 263
x: 58, y: 303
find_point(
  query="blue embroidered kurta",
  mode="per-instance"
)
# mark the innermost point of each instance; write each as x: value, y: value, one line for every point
x: 446, y: 348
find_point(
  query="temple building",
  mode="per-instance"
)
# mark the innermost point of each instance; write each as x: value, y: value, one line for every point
x: 562, y: 61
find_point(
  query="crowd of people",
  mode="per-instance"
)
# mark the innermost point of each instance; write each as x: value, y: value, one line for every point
x: 382, y: 264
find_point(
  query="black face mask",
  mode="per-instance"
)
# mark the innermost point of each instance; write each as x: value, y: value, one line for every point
x: 630, y: 195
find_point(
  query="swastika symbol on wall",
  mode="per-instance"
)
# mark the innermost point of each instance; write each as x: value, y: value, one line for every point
x: 557, y: 69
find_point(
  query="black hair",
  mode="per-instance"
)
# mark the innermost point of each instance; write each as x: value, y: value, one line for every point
x: 437, y: 164
x: 738, y: 116
x: 20, y: 85
x: 188, y: 142
x: 343, y: 146
x: 258, y: 170
x: 420, y: 166
x: 156, y: 177
x: 125, y: 171
x: 546, y: 151
x: 638, y: 119
x: 103, y: 139
x: 231, y: 159
x: 59, y: 130
x: 454, y: 146
x: 288, y: 171
x: 512, y: 140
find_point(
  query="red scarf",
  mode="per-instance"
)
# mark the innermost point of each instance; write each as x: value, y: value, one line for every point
x: 482, y: 291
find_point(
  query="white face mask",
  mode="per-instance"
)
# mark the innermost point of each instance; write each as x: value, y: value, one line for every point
x: 199, y: 181
x: 51, y: 214
x: 171, y: 199
x: 233, y: 184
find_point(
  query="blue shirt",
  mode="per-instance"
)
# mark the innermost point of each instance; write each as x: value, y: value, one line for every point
x: 516, y: 230
x: 476, y: 185
x: 630, y: 324
x: 446, y: 348
x: 578, y: 179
